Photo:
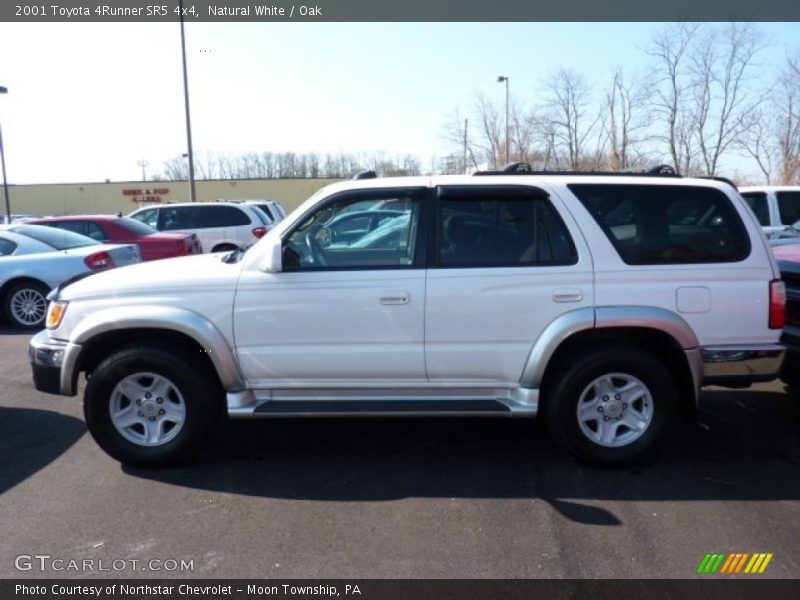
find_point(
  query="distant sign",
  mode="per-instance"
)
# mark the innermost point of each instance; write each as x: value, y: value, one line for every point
x: 143, y: 196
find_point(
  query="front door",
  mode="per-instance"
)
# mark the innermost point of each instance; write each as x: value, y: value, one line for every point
x: 344, y: 311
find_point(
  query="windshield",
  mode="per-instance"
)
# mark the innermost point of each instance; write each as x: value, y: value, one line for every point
x: 60, y: 239
x: 135, y: 226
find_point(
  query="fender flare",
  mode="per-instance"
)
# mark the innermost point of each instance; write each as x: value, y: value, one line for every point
x: 169, y: 318
x: 568, y: 324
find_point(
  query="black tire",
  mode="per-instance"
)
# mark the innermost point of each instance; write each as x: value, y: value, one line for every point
x: 37, y: 294
x: 572, y: 382
x: 201, y: 398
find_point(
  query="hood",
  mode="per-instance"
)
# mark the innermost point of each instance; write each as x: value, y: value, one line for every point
x: 183, y: 273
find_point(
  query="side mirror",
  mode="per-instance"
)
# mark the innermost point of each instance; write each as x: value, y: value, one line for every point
x: 271, y: 262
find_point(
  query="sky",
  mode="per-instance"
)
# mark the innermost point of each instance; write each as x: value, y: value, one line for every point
x: 89, y: 101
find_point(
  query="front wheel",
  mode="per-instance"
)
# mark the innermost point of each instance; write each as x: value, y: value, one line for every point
x: 612, y: 406
x: 147, y: 406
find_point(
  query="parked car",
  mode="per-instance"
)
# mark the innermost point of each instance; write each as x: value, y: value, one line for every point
x: 777, y: 208
x: 124, y: 230
x: 788, y: 256
x: 271, y: 208
x: 602, y: 302
x: 34, y: 259
x: 219, y: 227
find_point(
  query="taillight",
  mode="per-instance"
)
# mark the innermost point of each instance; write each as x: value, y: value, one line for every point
x: 259, y: 231
x: 183, y: 248
x: 777, y: 304
x: 99, y: 260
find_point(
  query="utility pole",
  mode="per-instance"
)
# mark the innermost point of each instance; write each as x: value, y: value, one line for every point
x: 192, y: 193
x: 4, y: 90
x: 466, y: 124
x: 501, y: 79
x: 143, y: 164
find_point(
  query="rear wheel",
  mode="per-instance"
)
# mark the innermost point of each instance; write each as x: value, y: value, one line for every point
x: 26, y: 305
x: 611, y: 406
x: 145, y: 405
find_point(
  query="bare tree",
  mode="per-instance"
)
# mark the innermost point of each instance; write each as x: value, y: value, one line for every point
x: 669, y: 50
x: 626, y: 114
x: 787, y: 111
x: 722, y: 67
x: 571, y: 120
x: 759, y: 143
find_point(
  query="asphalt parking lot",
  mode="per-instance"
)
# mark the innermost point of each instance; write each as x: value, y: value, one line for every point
x: 399, y: 498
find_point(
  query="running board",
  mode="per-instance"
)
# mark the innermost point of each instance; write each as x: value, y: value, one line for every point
x: 374, y: 402
x: 333, y: 408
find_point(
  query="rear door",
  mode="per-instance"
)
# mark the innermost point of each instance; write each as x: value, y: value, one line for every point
x: 502, y: 266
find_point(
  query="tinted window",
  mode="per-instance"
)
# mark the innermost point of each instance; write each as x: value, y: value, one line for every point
x: 201, y: 217
x: 267, y: 211
x: 757, y: 201
x: 502, y: 231
x: 663, y: 224
x: 262, y: 218
x: 789, y: 207
x: 94, y: 231
x: 321, y: 242
x: 59, y: 239
x: 73, y: 226
x: 7, y: 247
x: 135, y: 226
x: 149, y: 217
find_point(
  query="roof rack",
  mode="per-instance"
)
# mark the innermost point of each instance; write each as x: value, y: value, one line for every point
x: 522, y: 168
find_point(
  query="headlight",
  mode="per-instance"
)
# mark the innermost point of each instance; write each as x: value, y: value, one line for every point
x: 55, y: 312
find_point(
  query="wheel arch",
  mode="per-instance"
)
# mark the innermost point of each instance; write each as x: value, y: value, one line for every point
x: 660, y: 332
x: 7, y: 285
x: 103, y: 331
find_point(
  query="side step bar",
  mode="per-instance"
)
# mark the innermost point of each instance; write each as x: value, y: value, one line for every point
x: 332, y: 408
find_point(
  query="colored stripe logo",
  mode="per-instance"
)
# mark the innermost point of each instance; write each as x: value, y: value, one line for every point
x: 734, y: 563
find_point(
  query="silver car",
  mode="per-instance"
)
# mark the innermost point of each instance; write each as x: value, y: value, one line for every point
x: 34, y: 259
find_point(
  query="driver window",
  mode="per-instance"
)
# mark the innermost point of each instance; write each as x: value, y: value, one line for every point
x: 357, y: 230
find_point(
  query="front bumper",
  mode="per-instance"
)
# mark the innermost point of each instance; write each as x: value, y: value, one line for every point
x: 741, y: 365
x: 53, y: 364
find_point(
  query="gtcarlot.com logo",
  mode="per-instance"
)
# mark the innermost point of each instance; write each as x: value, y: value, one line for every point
x: 734, y: 563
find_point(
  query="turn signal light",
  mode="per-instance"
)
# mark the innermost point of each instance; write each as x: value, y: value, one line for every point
x: 55, y: 312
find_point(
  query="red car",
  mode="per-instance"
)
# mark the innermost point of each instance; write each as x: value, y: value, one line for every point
x: 123, y: 230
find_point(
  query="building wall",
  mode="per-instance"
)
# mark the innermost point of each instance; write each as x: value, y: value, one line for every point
x: 58, y: 199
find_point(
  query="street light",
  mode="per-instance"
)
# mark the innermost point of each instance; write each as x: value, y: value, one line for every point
x: 4, y: 90
x: 501, y: 79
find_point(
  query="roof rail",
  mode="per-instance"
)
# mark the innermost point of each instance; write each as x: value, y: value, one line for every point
x: 722, y: 179
x: 366, y: 175
x: 522, y: 168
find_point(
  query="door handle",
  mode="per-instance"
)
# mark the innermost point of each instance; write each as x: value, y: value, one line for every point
x: 396, y: 298
x: 567, y: 295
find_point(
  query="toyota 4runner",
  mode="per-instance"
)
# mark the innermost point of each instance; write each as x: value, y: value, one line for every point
x: 603, y: 302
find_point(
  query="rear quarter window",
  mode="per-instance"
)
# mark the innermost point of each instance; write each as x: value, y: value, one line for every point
x: 663, y: 224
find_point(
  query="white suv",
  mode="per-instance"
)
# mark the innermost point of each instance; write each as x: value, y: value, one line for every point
x: 218, y: 227
x: 777, y: 209
x: 602, y: 302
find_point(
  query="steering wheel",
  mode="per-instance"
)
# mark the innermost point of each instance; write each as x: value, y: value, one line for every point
x: 315, y: 249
